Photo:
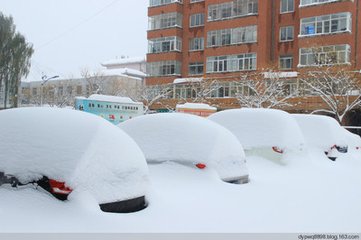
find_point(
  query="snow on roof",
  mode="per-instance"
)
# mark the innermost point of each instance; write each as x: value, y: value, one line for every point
x: 107, y: 98
x: 124, y: 72
x: 195, y: 106
x: 280, y: 74
x: 188, y: 139
x: 187, y: 80
x: 257, y: 128
x: 85, y: 151
x: 119, y: 61
x: 320, y: 131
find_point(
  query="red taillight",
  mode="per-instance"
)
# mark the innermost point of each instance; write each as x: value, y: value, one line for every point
x: 201, y: 165
x: 277, y: 149
x: 59, y: 187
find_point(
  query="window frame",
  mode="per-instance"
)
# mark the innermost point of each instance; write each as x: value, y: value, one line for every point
x: 286, y: 29
x: 288, y: 6
x: 285, y: 58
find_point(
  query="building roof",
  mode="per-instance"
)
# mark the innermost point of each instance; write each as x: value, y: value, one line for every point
x: 120, y: 61
x: 108, y: 98
x: 124, y: 72
x: 203, y: 106
x: 187, y: 80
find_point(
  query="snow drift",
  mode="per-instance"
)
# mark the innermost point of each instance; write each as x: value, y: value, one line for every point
x: 188, y: 139
x: 86, y: 152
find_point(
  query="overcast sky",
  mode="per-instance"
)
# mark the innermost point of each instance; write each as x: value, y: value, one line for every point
x: 70, y: 35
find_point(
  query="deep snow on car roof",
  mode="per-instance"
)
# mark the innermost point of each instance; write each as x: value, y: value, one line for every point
x: 261, y: 127
x: 188, y: 139
x: 78, y: 148
x: 320, y: 131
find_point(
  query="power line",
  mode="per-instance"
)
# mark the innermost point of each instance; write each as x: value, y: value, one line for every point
x: 77, y: 25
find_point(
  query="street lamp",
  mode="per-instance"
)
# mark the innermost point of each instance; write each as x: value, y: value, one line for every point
x: 44, y: 79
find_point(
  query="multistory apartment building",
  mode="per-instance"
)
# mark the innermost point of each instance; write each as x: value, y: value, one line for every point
x: 227, y: 39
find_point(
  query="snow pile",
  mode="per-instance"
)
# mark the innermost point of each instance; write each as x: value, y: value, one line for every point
x: 202, y: 106
x: 320, y: 131
x: 86, y: 152
x: 188, y: 139
x: 258, y: 128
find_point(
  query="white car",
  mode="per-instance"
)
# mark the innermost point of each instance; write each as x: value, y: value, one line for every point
x: 323, y: 134
x: 71, y: 152
x: 189, y: 140
x: 267, y: 133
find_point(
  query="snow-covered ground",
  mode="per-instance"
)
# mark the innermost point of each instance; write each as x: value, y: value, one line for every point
x: 305, y: 193
x: 309, y: 194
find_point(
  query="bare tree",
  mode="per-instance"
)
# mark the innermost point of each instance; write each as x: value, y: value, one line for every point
x: 337, y: 87
x: 264, y: 90
x: 94, y: 81
x: 151, y: 95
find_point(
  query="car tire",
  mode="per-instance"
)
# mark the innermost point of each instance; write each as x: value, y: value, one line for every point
x: 127, y: 206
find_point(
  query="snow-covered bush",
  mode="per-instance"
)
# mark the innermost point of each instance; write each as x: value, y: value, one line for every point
x: 265, y: 132
x: 85, y: 151
x: 322, y: 133
x: 188, y: 139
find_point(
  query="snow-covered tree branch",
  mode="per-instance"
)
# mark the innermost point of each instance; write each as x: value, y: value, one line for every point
x: 337, y: 87
x: 264, y: 90
x: 151, y: 95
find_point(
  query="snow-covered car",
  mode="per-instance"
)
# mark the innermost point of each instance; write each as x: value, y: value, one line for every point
x: 323, y: 134
x: 189, y: 140
x: 71, y: 152
x: 267, y: 133
x: 353, y: 142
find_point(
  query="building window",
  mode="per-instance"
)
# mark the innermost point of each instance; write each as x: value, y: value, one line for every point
x: 34, y: 91
x: 196, y: 68
x: 232, y: 63
x: 79, y: 89
x: 286, y: 33
x: 196, y: 20
x: 164, y: 68
x: 314, y: 2
x: 325, y: 55
x: 232, y: 36
x: 194, y: 1
x: 154, y: 3
x: 196, y: 44
x: 69, y: 90
x: 167, y: 20
x: 232, y: 9
x: 166, y: 44
x: 326, y: 24
x: 286, y: 62
x: 60, y: 91
x: 287, y: 6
